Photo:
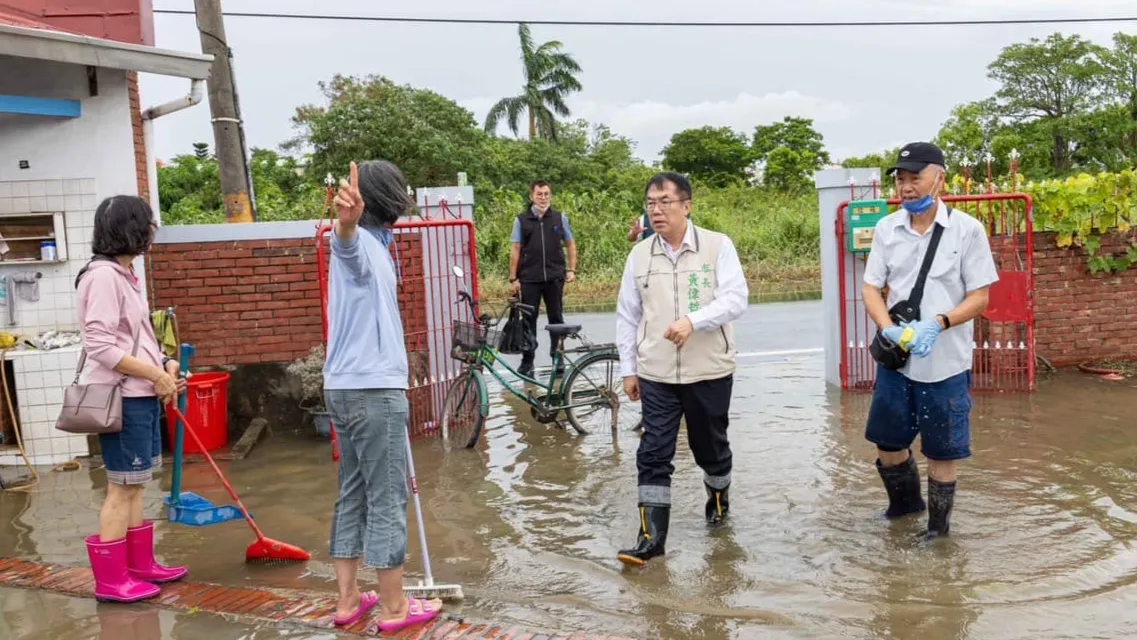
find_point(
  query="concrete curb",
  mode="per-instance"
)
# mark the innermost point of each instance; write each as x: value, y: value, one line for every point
x: 304, y: 609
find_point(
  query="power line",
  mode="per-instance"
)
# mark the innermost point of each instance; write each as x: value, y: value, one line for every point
x: 623, y: 23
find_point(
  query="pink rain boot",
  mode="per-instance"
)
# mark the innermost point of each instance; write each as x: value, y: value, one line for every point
x: 140, y: 554
x: 113, y: 582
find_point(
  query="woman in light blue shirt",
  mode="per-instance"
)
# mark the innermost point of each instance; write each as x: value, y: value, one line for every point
x: 365, y: 382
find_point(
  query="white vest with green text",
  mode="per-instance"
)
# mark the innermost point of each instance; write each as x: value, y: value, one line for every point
x: 671, y: 290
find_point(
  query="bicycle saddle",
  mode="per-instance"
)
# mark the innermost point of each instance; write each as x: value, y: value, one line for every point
x: 558, y: 330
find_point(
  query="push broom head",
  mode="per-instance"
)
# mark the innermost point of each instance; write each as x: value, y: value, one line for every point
x: 444, y: 592
x: 269, y: 551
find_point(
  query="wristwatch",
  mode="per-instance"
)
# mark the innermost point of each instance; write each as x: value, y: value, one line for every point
x: 947, y: 320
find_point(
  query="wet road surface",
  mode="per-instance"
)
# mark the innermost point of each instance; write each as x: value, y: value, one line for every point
x: 1042, y: 545
x: 32, y: 615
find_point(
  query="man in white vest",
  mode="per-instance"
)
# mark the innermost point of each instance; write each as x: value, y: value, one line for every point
x: 682, y: 287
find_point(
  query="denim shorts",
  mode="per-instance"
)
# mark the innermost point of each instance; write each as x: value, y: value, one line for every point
x: 938, y: 411
x: 370, y: 517
x: 131, y: 455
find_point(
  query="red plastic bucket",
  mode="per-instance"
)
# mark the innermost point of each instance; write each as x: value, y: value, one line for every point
x: 207, y: 410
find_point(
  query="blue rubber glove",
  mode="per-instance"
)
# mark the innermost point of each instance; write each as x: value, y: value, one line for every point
x: 926, y: 333
x: 893, y: 333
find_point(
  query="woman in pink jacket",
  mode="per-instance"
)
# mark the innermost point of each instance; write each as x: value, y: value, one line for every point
x: 119, y: 344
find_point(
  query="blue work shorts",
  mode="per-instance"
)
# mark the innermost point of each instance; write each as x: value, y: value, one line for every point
x: 131, y: 455
x: 938, y: 411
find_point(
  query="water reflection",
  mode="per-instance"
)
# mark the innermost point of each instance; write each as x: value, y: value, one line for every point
x: 1042, y: 544
x: 122, y: 623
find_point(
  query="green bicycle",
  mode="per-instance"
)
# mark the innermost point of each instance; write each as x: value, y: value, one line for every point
x: 591, y: 386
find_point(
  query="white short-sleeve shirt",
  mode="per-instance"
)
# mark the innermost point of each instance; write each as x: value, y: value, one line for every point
x: 963, y: 263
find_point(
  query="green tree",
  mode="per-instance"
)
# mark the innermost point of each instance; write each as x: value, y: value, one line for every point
x: 550, y: 76
x: 429, y: 137
x: 716, y: 155
x: 789, y: 153
x: 283, y: 188
x: 1051, y: 82
x: 1121, y: 65
x: 585, y: 158
x: 969, y: 131
x: 189, y: 189
x: 201, y: 150
x: 870, y: 161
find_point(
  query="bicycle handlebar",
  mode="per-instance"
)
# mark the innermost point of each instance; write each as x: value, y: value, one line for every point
x: 487, y: 319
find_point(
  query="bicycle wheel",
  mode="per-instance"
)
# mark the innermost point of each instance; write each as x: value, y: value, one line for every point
x: 597, y: 378
x: 465, y: 409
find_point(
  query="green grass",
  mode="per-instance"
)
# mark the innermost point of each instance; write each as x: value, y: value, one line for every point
x: 599, y: 293
x: 777, y: 238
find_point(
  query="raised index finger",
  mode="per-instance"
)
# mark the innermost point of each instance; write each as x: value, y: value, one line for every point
x: 354, y: 175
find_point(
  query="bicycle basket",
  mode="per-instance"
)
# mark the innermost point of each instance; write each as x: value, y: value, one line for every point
x: 468, y: 337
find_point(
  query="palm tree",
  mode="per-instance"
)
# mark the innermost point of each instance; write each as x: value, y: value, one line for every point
x: 549, y: 78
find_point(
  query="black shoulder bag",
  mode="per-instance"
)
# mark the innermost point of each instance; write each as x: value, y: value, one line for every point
x: 517, y: 335
x: 886, y: 352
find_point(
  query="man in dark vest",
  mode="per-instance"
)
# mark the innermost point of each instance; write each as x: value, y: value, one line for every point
x: 537, y: 268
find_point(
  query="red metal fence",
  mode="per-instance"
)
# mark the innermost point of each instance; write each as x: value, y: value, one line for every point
x: 1004, y: 335
x: 425, y: 252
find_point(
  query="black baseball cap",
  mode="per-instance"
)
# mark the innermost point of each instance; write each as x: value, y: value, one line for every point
x: 915, y: 156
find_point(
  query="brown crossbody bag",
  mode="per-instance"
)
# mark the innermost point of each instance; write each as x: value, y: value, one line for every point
x: 93, y: 409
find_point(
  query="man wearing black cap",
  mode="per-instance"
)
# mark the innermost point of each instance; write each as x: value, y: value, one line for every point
x: 928, y: 394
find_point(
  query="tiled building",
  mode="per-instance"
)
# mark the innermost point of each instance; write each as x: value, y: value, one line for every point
x: 72, y: 132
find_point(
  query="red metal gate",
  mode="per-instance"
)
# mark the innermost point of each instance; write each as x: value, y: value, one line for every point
x: 1004, y: 335
x: 424, y: 251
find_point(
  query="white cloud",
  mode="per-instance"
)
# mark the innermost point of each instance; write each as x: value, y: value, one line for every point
x: 651, y: 123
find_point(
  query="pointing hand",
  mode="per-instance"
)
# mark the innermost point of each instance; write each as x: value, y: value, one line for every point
x: 348, y: 202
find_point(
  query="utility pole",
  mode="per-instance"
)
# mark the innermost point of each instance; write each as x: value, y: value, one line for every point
x: 227, y: 134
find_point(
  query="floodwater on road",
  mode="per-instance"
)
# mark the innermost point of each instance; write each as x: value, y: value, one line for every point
x: 529, y: 522
x: 26, y: 615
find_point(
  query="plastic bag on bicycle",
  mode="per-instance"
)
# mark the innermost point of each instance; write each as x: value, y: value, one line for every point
x: 517, y: 335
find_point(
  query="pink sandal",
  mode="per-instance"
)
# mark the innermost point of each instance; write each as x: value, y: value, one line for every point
x: 367, y: 601
x: 418, y: 611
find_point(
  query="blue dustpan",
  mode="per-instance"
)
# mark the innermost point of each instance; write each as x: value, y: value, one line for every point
x: 196, y: 511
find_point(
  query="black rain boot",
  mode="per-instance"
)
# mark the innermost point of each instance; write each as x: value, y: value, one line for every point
x: 902, y: 482
x: 652, y: 537
x: 941, y: 498
x: 718, y: 505
x: 526, y: 368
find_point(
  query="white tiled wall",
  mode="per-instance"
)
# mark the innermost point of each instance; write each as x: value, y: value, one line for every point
x: 41, y: 376
x: 40, y: 379
x: 77, y: 199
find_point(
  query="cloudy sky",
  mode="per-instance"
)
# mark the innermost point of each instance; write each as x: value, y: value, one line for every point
x: 866, y: 88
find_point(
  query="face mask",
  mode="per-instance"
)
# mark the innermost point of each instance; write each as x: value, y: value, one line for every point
x: 384, y: 235
x: 919, y: 206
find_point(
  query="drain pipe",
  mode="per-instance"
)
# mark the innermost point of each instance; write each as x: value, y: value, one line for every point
x: 148, y: 117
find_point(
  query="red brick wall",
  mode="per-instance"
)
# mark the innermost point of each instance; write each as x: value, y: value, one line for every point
x: 258, y: 301
x: 240, y: 302
x: 1081, y: 316
x: 140, y: 166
